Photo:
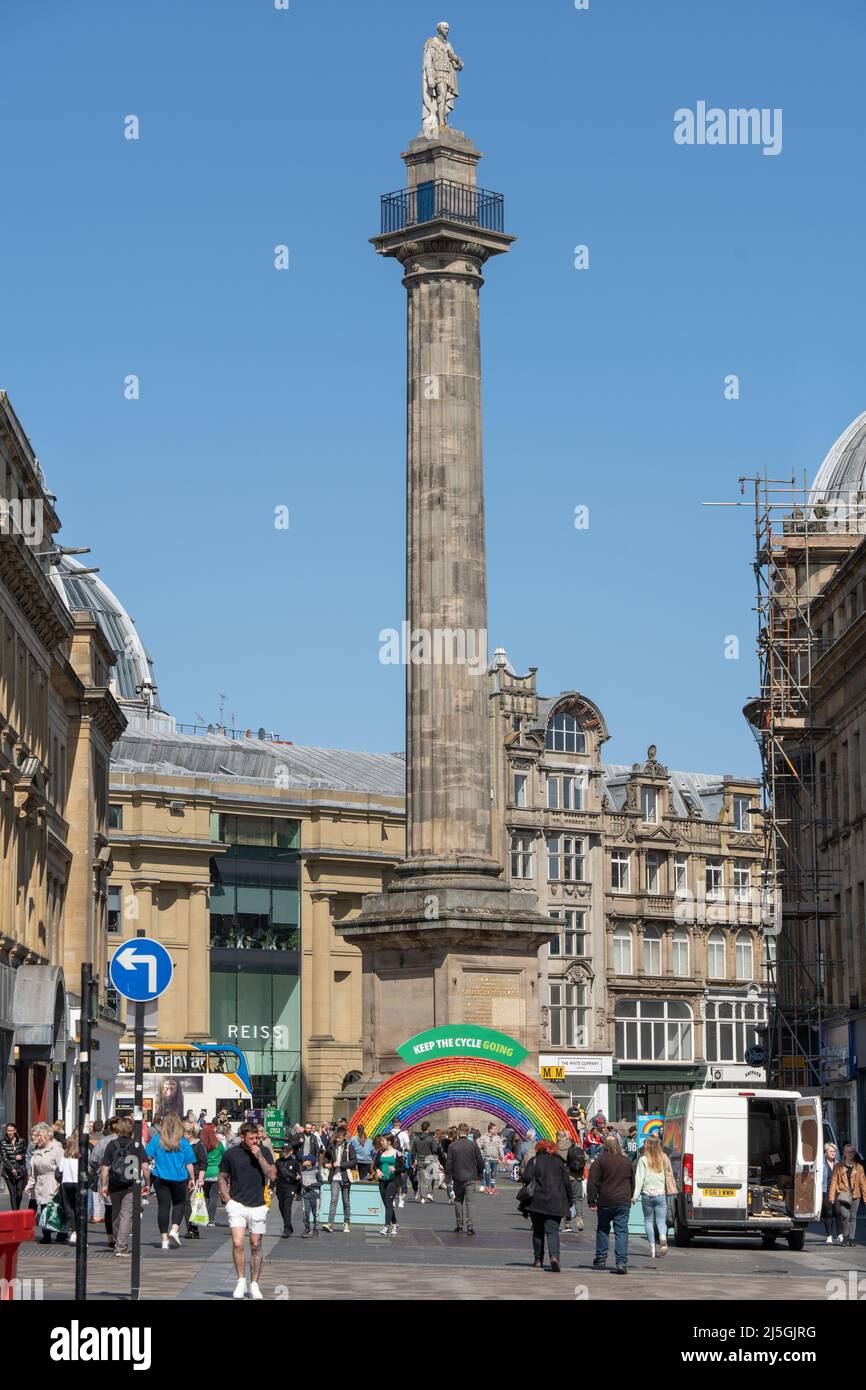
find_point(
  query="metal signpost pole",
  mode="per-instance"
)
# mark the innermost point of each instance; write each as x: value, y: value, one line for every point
x: 137, y: 1117
x: 140, y: 970
x: 83, y: 1135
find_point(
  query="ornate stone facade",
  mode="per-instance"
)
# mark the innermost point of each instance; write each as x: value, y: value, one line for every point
x: 653, y: 877
x: 58, y: 720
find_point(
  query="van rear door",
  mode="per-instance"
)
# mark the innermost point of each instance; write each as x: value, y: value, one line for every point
x: 810, y: 1149
x: 720, y: 1136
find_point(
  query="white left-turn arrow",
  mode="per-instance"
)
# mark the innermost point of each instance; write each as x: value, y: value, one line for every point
x: 129, y: 959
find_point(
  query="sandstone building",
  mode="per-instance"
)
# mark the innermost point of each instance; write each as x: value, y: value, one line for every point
x: 58, y: 721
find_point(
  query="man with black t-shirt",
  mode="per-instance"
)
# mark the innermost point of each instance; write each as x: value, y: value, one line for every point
x: 243, y: 1172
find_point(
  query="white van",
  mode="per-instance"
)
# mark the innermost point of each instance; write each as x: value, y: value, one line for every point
x: 745, y: 1162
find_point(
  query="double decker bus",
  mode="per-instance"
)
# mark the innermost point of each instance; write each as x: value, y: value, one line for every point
x: 186, y: 1076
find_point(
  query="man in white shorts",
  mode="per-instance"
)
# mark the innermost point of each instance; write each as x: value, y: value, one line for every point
x: 243, y: 1171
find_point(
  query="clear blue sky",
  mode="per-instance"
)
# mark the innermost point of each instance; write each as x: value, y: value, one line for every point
x: 261, y: 388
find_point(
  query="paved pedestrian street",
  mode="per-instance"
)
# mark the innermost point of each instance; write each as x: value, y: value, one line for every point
x: 426, y: 1260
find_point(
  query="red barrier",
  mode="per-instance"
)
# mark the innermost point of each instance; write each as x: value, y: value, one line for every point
x: 15, y: 1228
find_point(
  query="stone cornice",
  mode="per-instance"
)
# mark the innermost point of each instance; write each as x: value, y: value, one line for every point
x: 33, y: 591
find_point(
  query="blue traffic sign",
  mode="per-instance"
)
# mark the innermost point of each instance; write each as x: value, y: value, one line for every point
x: 141, y: 969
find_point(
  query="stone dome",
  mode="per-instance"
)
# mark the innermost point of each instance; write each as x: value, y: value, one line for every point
x: 133, y: 678
x: 843, y: 471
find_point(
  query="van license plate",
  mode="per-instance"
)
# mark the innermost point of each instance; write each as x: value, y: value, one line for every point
x: 718, y: 1191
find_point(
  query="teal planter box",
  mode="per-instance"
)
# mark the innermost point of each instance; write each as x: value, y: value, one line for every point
x: 365, y: 1205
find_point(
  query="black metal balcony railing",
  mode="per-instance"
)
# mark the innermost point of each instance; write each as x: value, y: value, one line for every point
x: 476, y: 207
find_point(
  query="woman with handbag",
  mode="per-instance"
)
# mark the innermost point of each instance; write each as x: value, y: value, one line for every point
x: 13, y: 1151
x: 387, y: 1167
x: 847, y: 1189
x: 44, y: 1183
x: 545, y: 1198
x: 200, y: 1168
x: 828, y: 1209
x: 653, y: 1184
x: 214, y: 1149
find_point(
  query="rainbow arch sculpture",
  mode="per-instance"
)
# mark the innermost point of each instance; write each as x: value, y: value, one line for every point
x: 473, y: 1083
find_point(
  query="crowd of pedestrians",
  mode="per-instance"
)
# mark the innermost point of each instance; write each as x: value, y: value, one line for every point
x: 192, y: 1165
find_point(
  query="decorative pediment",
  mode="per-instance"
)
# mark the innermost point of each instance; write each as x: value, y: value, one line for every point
x: 744, y: 841
x: 660, y: 832
x: 652, y: 768
x: 579, y: 972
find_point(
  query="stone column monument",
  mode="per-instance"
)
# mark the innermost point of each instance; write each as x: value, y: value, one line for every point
x: 449, y: 941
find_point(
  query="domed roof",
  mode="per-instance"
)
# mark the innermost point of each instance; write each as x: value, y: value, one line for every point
x: 133, y: 669
x: 844, y: 469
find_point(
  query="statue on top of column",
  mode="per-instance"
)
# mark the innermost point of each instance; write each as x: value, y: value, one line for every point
x: 438, y: 81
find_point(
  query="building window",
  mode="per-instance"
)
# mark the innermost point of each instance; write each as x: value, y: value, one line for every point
x: 680, y: 952
x: 565, y: 858
x: 742, y: 880
x: 521, y: 856
x: 568, y: 1014
x: 619, y: 871
x: 742, y: 818
x: 573, y: 939
x: 731, y: 1027
x: 654, y: 1030
x: 255, y: 885
x: 565, y: 793
x: 564, y: 735
x: 649, y: 805
x: 622, y: 964
x: 115, y: 816
x: 115, y: 915
x: 716, y: 956
x: 715, y: 887
x: 520, y: 788
x: 681, y: 877
x: 654, y: 872
x: 745, y: 965
x: 652, y: 951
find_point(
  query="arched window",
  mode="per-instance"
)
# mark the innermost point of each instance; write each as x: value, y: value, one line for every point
x: 652, y: 951
x: 745, y: 964
x: 564, y: 735
x: 654, y: 1030
x: 680, y: 952
x: 716, y: 956
x: 622, y: 951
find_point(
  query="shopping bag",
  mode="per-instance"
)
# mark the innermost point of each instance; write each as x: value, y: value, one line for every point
x: 198, y: 1209
x: 51, y: 1216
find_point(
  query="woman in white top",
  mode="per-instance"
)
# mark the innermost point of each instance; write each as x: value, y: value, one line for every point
x: 69, y: 1184
x: 653, y: 1180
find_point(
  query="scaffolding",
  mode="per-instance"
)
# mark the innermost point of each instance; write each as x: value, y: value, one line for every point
x: 794, y: 538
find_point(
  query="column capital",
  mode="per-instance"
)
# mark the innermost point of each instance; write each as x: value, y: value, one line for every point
x: 323, y: 894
